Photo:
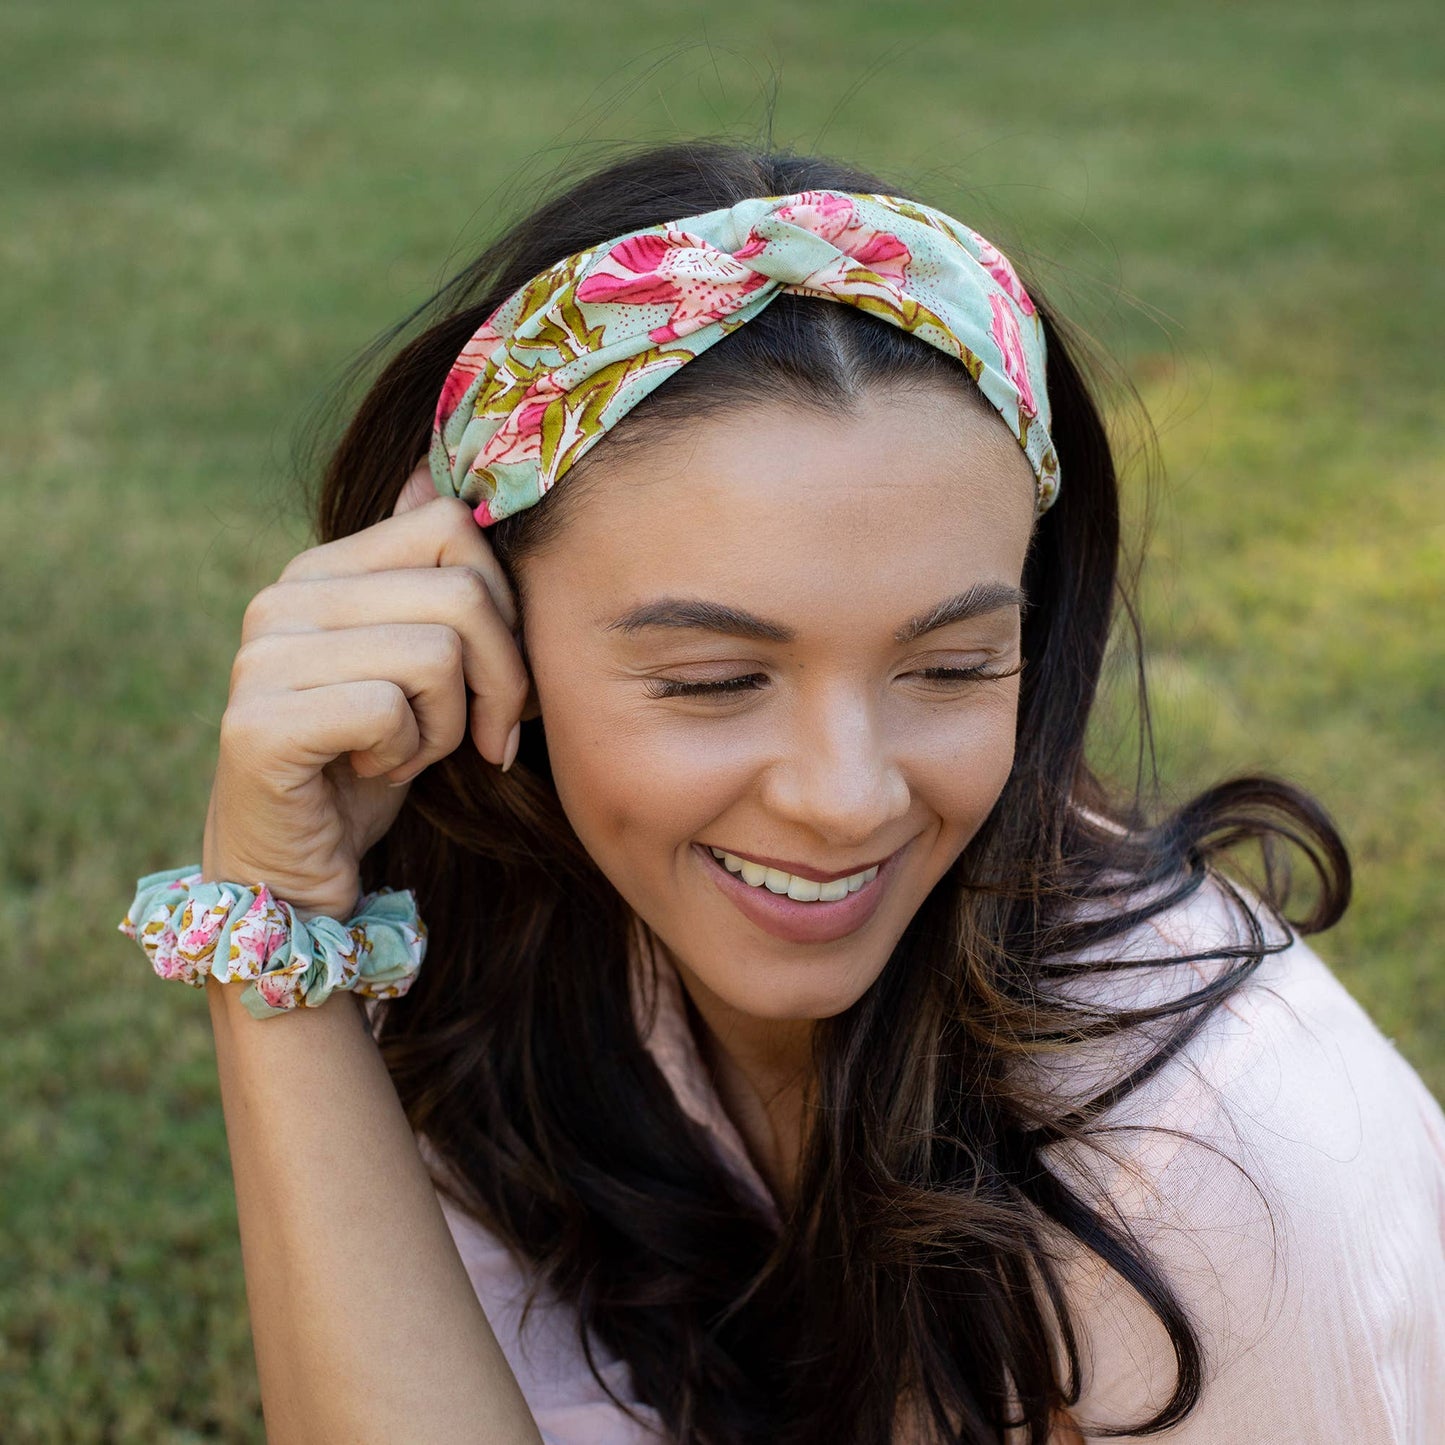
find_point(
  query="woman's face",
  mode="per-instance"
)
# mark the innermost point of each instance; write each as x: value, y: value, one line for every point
x: 792, y: 564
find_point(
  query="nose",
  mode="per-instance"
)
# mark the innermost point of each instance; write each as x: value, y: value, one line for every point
x: 836, y: 774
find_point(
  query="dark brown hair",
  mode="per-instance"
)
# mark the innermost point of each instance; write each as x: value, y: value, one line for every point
x: 919, y: 1259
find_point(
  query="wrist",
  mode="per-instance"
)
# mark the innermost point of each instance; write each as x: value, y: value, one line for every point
x: 219, y: 870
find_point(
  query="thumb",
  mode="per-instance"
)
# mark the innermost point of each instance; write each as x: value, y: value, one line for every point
x: 418, y: 489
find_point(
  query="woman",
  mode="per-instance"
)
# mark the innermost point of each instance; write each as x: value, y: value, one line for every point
x: 809, y: 1047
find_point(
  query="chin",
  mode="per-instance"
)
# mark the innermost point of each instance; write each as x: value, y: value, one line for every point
x: 775, y: 991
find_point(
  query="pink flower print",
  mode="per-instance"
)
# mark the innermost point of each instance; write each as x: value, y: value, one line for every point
x: 834, y: 211
x: 673, y: 268
x: 519, y: 438
x: 879, y: 251
x: 636, y: 270
x: 465, y: 370
x: 160, y: 943
x: 276, y: 989
x: 825, y: 213
x: 256, y: 939
x: 1005, y: 331
x: 835, y: 219
x: 196, y: 939
x: 999, y: 267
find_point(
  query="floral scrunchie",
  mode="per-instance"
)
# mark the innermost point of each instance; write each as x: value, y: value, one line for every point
x: 190, y: 928
x: 577, y: 347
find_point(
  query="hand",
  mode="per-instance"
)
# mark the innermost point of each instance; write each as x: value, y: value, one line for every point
x: 352, y: 676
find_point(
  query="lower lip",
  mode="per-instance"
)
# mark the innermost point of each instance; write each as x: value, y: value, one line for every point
x: 796, y: 922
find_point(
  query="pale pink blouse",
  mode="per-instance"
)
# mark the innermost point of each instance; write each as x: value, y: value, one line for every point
x: 1333, y: 1331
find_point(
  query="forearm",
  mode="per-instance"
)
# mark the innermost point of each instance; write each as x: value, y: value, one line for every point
x: 365, y: 1324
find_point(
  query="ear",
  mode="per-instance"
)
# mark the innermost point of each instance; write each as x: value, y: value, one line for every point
x: 418, y: 489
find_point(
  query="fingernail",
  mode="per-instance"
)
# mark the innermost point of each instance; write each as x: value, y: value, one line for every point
x: 509, y: 753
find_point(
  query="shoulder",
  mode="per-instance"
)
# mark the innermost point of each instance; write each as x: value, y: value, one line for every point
x: 1289, y: 1056
x: 1287, y: 1172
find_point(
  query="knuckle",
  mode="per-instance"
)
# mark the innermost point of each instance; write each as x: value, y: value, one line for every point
x: 467, y: 591
x: 253, y: 657
x: 443, y: 648
x: 242, y: 728
x: 296, y: 567
x: 243, y: 664
x: 261, y: 611
x: 389, y: 706
x: 453, y: 516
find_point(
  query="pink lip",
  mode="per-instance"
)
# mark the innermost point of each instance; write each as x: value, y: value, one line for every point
x: 796, y: 922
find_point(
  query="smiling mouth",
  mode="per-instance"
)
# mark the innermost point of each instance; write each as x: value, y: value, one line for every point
x: 800, y: 890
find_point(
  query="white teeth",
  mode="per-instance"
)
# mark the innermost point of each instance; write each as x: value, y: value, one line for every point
x: 804, y: 890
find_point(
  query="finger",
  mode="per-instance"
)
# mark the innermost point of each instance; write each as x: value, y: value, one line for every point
x: 456, y: 597
x: 438, y: 533
x: 453, y: 595
x: 371, y: 720
x: 426, y: 660
x: 423, y: 660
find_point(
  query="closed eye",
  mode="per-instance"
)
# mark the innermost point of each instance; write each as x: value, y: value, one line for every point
x: 943, y: 677
x: 668, y: 687
x: 965, y: 674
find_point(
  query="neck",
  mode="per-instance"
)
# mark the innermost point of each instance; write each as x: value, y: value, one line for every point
x: 761, y: 1069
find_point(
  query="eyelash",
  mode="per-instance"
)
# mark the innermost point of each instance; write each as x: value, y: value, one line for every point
x: 665, y: 687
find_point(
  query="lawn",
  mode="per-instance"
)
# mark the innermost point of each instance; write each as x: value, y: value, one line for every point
x: 209, y: 210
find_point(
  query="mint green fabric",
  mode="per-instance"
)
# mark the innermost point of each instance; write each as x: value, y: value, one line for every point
x: 572, y: 351
x: 190, y: 928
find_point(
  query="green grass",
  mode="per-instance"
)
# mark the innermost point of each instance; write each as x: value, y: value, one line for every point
x: 209, y: 209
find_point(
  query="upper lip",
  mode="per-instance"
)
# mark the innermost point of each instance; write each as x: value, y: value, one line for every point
x: 802, y: 870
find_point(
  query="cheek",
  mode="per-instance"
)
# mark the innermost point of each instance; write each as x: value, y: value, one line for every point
x: 633, y: 787
x: 959, y: 765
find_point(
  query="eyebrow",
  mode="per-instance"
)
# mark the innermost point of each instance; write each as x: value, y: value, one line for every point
x: 979, y: 600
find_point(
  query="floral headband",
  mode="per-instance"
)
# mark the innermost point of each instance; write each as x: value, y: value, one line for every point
x: 566, y: 356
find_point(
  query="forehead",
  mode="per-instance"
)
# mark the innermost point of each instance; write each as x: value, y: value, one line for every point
x: 916, y: 489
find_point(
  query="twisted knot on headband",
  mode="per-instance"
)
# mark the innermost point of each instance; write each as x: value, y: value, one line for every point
x: 569, y: 353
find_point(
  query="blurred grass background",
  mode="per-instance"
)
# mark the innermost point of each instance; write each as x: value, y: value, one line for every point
x: 209, y: 209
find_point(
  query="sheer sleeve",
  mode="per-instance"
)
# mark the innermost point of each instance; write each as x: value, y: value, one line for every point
x: 569, y: 1405
x: 546, y: 1355
x: 1319, y: 1297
